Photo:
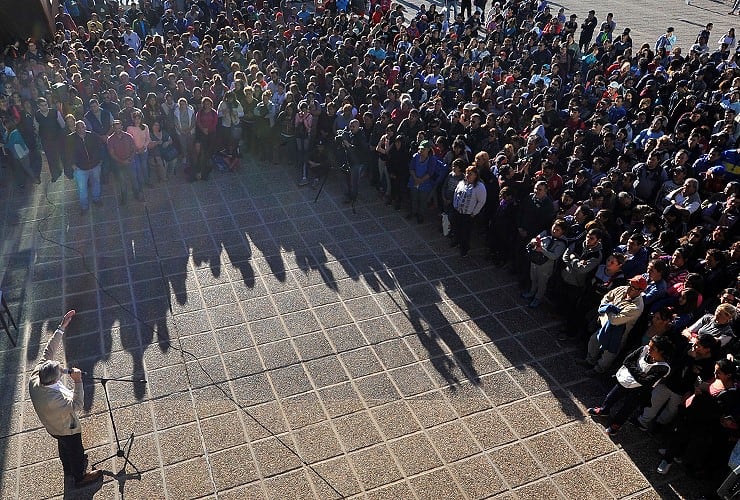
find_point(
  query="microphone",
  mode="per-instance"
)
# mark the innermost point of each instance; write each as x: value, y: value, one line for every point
x: 68, y: 371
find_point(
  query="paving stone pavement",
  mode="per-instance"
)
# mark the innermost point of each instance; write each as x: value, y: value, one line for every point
x: 299, y: 350
x: 311, y: 352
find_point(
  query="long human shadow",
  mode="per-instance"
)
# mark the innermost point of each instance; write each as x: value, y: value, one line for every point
x: 329, y: 232
x: 17, y: 255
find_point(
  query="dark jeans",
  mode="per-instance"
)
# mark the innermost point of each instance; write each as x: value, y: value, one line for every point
x: 353, y: 181
x: 630, y: 401
x: 124, y: 176
x: 203, y: 164
x: 72, y: 455
x: 53, y: 151
x: 462, y: 225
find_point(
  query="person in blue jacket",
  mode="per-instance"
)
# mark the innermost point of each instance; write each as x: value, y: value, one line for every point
x: 423, y: 174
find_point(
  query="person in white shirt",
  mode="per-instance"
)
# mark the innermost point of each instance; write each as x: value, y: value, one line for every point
x: 469, y: 198
x: 132, y: 39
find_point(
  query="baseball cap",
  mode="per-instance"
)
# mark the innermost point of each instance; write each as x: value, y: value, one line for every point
x: 638, y: 282
x: 425, y: 144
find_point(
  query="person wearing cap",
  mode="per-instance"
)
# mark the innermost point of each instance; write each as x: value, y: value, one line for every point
x: 424, y: 172
x: 642, y: 369
x: 618, y: 312
x: 57, y: 406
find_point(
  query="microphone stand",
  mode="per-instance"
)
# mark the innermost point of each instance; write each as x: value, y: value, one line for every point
x: 125, y: 451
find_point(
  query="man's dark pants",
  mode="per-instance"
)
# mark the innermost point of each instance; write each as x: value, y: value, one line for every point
x: 72, y: 454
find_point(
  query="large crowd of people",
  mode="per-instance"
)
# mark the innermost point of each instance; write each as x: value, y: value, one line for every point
x: 601, y: 169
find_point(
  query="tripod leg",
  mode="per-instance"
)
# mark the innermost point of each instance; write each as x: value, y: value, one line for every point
x: 321, y: 187
x: 130, y: 444
x: 93, y: 466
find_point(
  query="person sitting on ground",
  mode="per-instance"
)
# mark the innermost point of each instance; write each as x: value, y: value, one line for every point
x: 642, y: 369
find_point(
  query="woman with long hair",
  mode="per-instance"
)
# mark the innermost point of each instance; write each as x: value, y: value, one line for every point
x: 206, y: 121
x: 139, y: 163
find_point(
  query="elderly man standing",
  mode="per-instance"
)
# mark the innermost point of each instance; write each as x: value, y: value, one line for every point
x: 57, y: 406
x: 85, y: 156
x: 619, y: 310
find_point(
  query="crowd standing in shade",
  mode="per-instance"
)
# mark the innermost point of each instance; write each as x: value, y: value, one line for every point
x: 604, y: 173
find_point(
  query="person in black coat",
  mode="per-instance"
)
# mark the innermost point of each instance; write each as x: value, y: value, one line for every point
x: 535, y: 215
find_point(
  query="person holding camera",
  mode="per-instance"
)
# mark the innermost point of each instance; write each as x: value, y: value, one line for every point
x: 544, y: 250
x: 56, y: 406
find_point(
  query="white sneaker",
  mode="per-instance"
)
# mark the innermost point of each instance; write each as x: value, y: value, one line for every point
x: 303, y: 182
x: 664, y: 467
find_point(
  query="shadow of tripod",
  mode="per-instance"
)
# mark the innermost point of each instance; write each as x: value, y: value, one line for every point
x: 121, y: 451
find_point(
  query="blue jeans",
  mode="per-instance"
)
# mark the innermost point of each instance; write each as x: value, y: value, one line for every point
x: 301, y: 153
x: 139, y: 171
x: 82, y: 178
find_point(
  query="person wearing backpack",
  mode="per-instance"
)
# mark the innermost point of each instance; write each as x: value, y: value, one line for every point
x: 544, y: 250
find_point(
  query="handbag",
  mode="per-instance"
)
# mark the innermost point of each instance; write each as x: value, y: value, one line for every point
x: 445, y: 224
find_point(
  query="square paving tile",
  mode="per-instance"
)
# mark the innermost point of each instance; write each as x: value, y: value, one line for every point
x: 361, y: 362
x: 619, y: 474
x: 524, y: 418
x: 334, y: 478
x: 477, y: 477
x: 580, y: 483
x: 453, y: 441
x: 516, y: 464
x: 552, y: 451
x: 436, y: 484
x: 341, y: 399
x: 395, y: 419
x: 180, y: 443
x: 188, y: 479
x: 375, y: 466
x: 415, y: 454
x: 275, y: 455
x: 293, y: 484
x: 357, y: 431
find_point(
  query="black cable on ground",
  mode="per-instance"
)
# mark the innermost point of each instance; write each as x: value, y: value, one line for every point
x: 183, y: 352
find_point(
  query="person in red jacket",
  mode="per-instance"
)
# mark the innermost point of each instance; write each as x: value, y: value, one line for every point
x: 206, y: 120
